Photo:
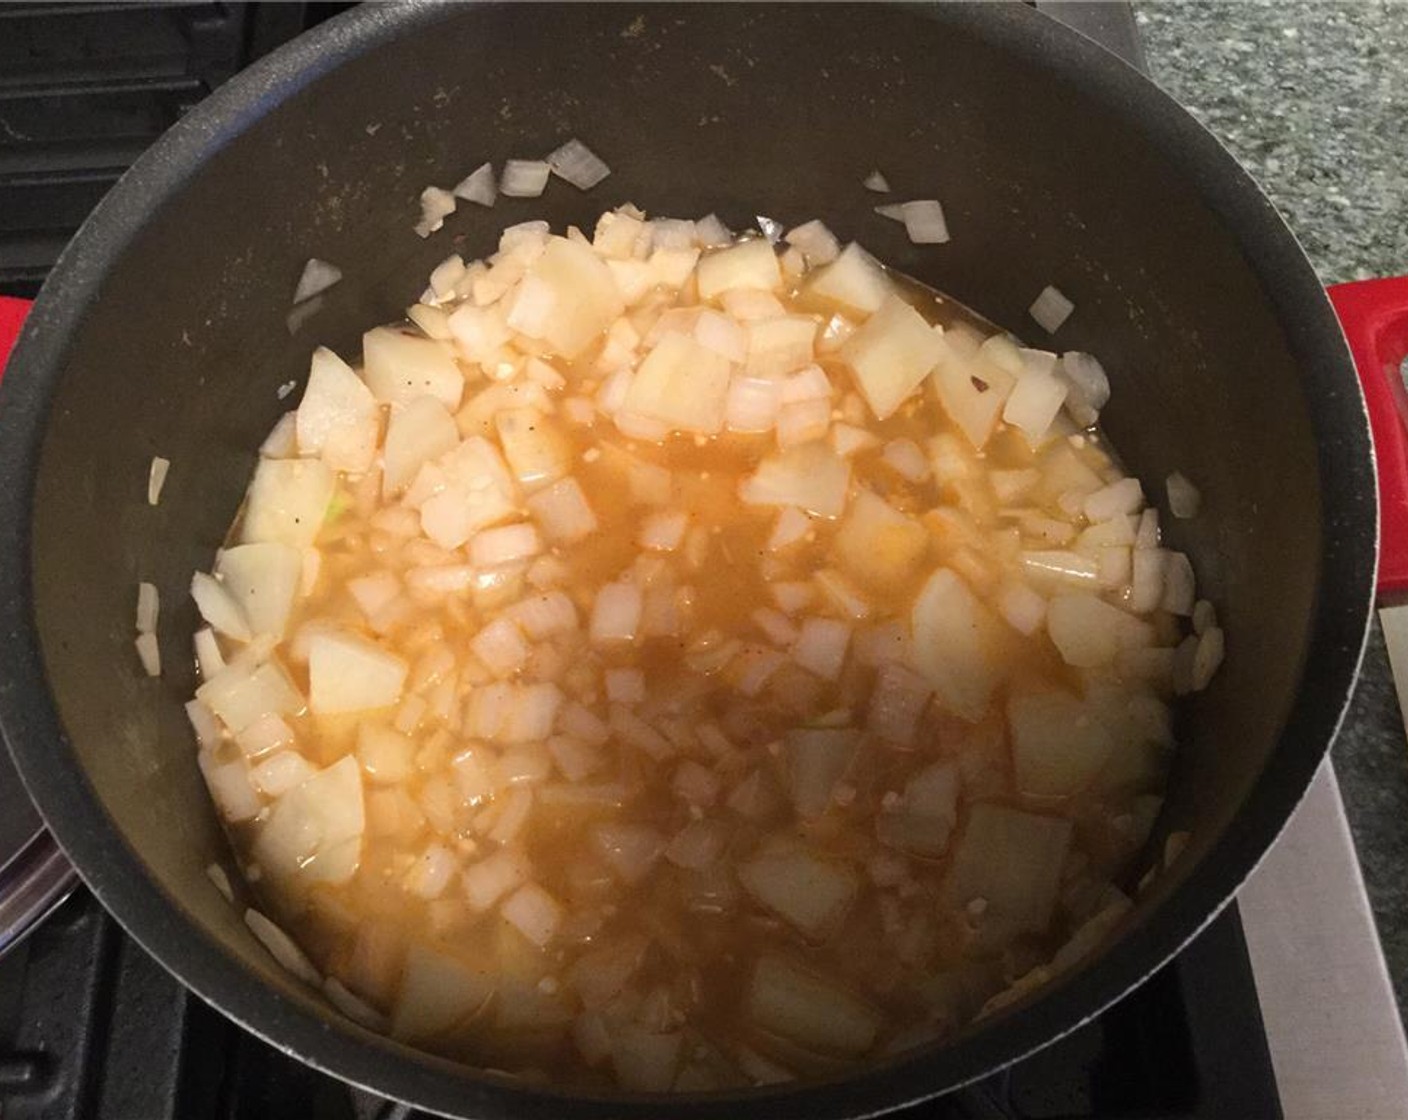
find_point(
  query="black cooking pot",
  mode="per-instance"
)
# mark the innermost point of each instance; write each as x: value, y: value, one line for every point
x: 162, y: 331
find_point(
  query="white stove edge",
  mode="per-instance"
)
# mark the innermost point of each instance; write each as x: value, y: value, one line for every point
x: 1332, y: 1023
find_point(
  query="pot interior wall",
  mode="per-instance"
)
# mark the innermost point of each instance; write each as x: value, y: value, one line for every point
x: 741, y: 110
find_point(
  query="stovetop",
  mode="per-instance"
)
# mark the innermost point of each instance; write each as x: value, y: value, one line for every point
x: 91, y: 1028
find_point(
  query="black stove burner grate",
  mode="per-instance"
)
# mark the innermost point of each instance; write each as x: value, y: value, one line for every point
x: 91, y: 1028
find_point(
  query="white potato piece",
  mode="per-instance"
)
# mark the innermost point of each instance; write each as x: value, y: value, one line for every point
x: 439, y: 993
x: 681, y: 384
x: 338, y: 419
x: 957, y: 644
x: 1058, y: 743
x: 264, y: 579
x: 418, y: 432
x: 810, y: 476
x: 878, y: 546
x: 854, y: 281
x: 796, y: 1003
x: 400, y: 367
x: 1089, y: 632
x: 974, y: 406
x: 810, y: 893
x: 582, y: 292
x: 891, y: 354
x: 750, y: 265
x: 348, y: 673
x: 314, y: 833
x: 1012, y: 861
x: 287, y: 501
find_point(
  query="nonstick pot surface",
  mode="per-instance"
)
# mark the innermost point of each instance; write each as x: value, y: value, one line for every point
x: 162, y: 331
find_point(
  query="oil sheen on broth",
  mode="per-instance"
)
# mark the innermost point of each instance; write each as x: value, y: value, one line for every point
x: 679, y: 665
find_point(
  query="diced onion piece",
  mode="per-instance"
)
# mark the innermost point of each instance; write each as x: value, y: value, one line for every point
x: 149, y: 653
x: 752, y: 404
x: 478, y: 186
x: 156, y: 478
x: 204, y: 724
x: 905, y: 458
x: 810, y: 476
x: 1050, y: 309
x: 672, y: 233
x: 1058, y: 744
x: 1122, y: 497
x: 1183, y: 497
x: 490, y: 879
x: 316, y: 278
x: 1089, y: 632
x: 219, y: 608
x: 841, y: 594
x: 816, y: 242
x: 350, y: 674
x: 710, y: 232
x: 896, y: 703
x: 356, y: 1009
x: 282, y: 947
x: 792, y: 525
x: 821, y: 646
x: 663, y: 532
x: 818, y: 758
x: 506, y: 544
x: 1204, y: 616
x: 721, y: 334
x: 148, y: 605
x: 562, y: 512
x: 436, y: 204
x: 264, y: 579
x: 438, y: 993
x: 534, y: 913
x: 209, y: 659
x: 1022, y: 608
x: 1036, y: 398
x: 924, y: 222
x: 854, y: 280
x: 877, y: 182
x: 524, y: 178
x: 748, y: 265
x: 1089, y: 386
x: 1179, y: 594
x: 810, y: 893
x: 501, y: 647
x: 697, y: 845
x: 848, y: 440
x: 281, y: 772
x: 616, y: 613
x: 631, y: 849
x: 245, y: 690
x: 803, y: 422
x: 1207, y: 658
x: 956, y: 644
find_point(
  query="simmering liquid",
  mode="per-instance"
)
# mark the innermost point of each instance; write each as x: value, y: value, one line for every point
x: 686, y: 769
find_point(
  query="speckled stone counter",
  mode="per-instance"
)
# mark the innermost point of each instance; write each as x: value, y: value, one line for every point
x: 1312, y: 97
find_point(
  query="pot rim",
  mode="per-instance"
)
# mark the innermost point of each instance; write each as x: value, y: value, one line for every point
x: 30, y: 723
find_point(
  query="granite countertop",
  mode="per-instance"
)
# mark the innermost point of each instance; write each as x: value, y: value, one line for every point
x: 1311, y: 97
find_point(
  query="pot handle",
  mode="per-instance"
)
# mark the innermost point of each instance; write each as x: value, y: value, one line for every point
x: 1374, y: 315
x: 12, y: 313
